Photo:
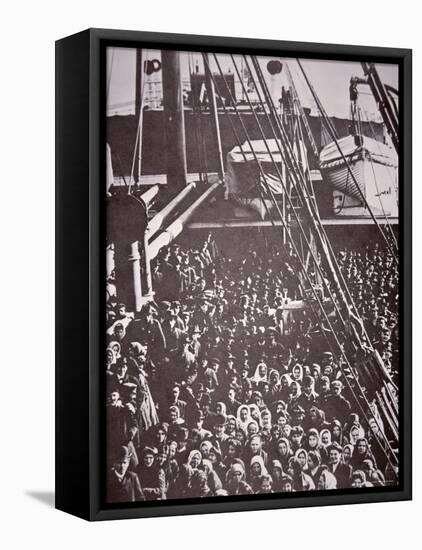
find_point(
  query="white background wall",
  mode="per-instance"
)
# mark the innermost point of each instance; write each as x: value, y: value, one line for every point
x: 27, y: 298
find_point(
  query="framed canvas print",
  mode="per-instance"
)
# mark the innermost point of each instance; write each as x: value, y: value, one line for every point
x: 234, y: 267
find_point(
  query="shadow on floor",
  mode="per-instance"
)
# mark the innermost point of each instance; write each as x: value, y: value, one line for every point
x: 45, y: 497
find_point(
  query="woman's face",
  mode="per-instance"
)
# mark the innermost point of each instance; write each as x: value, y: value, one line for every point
x: 276, y: 472
x: 362, y: 447
x: 262, y: 370
x: 161, y: 458
x: 301, y: 457
x: 347, y: 454
x: 212, y: 457
x: 354, y: 435
x: 282, y: 448
x: 256, y: 469
x: 296, y: 373
x: 266, y: 419
x: 312, y: 441
x: 195, y: 461
x: 255, y: 445
x: 172, y: 449
x: 231, y: 451
x: 336, y: 431
x: 325, y: 438
x: 244, y: 414
x: 219, y: 408
x: 311, y: 463
x: 255, y: 414
x: 321, y: 483
x: 205, y: 452
x: 286, y: 431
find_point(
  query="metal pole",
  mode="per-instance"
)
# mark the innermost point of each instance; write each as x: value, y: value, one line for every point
x: 174, y: 121
x: 209, y: 83
x: 138, y: 111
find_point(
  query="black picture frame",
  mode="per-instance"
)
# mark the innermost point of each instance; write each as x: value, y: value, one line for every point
x: 80, y: 260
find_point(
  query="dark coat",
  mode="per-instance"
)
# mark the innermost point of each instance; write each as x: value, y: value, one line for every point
x: 127, y: 490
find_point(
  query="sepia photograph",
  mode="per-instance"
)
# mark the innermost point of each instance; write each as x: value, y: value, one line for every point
x: 252, y: 272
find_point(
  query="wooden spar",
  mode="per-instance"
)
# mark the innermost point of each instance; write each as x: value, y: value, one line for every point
x: 147, y: 197
x: 175, y: 228
x: 157, y: 221
x: 209, y: 83
x: 174, y: 121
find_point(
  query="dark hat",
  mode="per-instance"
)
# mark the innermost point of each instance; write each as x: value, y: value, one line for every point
x: 220, y: 419
x: 123, y: 454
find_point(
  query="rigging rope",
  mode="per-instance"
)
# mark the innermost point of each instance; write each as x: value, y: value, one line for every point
x: 334, y: 137
x: 270, y: 193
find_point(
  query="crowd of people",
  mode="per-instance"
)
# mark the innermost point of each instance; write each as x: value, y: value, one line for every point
x: 218, y: 388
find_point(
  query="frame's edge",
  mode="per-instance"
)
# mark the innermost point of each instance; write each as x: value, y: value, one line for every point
x: 96, y: 36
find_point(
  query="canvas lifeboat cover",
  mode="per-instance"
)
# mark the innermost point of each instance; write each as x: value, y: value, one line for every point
x: 379, y: 152
x: 243, y: 175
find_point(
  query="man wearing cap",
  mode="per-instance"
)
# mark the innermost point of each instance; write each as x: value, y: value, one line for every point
x: 341, y: 471
x: 123, y: 485
x: 308, y: 398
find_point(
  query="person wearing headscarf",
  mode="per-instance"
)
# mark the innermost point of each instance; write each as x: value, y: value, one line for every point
x: 261, y: 374
x: 326, y: 481
x: 301, y: 480
x: 301, y: 457
x: 356, y: 432
x: 256, y: 470
x: 297, y: 373
x: 276, y: 471
x: 198, y: 485
x: 359, y: 480
x: 214, y: 482
x: 152, y: 478
x: 337, y: 432
x: 254, y: 448
x: 361, y: 452
x: 312, y: 441
x: 194, y: 459
x: 314, y: 466
x: 373, y: 475
x: 205, y: 448
x: 295, y: 391
x: 283, y: 452
x: 243, y: 417
x: 325, y: 442
x: 347, y: 453
x: 216, y: 459
x: 234, y: 451
x: 236, y: 481
x: 255, y: 413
